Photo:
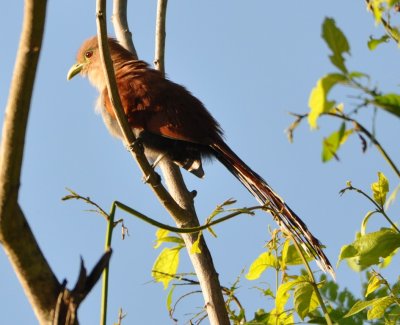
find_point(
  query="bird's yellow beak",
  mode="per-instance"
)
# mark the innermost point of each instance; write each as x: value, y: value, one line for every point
x: 75, y: 69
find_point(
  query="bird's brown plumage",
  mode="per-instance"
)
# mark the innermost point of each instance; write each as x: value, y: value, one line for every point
x: 171, y: 121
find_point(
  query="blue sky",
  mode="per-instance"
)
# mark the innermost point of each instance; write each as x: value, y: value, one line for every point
x: 250, y: 62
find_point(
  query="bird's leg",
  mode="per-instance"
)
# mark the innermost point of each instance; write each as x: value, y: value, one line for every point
x: 138, y: 145
x: 158, y: 159
x: 154, y: 165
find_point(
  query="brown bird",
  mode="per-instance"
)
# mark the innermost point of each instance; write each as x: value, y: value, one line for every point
x: 170, y: 121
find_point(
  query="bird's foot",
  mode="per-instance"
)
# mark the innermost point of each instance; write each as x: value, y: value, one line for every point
x: 158, y: 159
x: 152, y: 178
x: 136, y: 145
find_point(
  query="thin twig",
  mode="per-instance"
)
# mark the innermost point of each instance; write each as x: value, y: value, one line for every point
x: 372, y: 138
x: 116, y: 204
x: 159, y: 57
x: 379, y: 208
x: 358, y: 127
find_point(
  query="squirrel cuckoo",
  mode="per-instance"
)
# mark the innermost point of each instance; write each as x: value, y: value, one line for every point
x: 169, y: 120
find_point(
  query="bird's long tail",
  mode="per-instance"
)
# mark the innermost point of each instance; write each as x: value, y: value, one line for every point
x: 285, y: 217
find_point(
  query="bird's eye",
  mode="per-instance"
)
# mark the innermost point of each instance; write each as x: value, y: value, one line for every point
x: 88, y: 54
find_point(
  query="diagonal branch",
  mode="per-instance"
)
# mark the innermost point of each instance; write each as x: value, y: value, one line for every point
x: 129, y: 138
x: 186, y: 215
x: 202, y: 263
x: 34, y: 273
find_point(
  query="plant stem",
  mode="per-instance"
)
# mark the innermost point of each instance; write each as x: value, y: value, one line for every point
x: 378, y: 207
x: 312, y: 282
x: 181, y: 230
x: 372, y: 138
x: 107, y: 246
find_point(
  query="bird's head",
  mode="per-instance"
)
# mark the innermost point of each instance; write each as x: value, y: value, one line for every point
x: 88, y: 64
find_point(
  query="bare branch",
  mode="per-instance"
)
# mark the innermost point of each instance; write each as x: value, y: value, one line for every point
x: 129, y: 138
x: 202, y: 263
x: 36, y: 277
x: 186, y: 215
x: 121, y: 27
x: 159, y: 57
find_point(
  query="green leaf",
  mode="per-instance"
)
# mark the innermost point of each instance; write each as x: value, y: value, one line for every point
x: 284, y: 254
x: 162, y: 237
x: 331, y: 144
x: 392, y: 197
x: 359, y: 306
x: 169, y: 297
x: 379, y: 307
x: 388, y: 102
x: 262, y: 262
x: 318, y: 101
x: 357, y: 74
x: 160, y: 233
x: 280, y: 318
x: 282, y: 294
x: 169, y: 239
x: 337, y: 42
x: 368, y: 249
x: 387, y: 260
x: 374, y: 283
x: 292, y: 257
x: 166, y: 265
x: 374, y: 42
x: 305, y: 299
x: 260, y: 317
x: 365, y: 221
x: 380, y: 189
x: 195, y: 249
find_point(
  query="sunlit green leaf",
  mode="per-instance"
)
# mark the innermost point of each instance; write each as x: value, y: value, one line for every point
x: 162, y: 236
x: 374, y: 283
x: 169, y: 297
x: 377, y: 9
x: 365, y: 221
x: 305, y: 299
x: 279, y: 318
x: 168, y: 239
x: 331, y: 144
x: 195, y: 249
x: 387, y: 260
x: 263, y: 261
x: 357, y: 74
x: 160, y: 233
x: 379, y: 307
x: 392, y: 197
x: 282, y: 294
x: 337, y: 42
x: 388, y: 102
x: 359, y: 306
x: 292, y: 256
x: 368, y: 249
x: 374, y: 42
x: 260, y: 317
x: 318, y: 101
x: 380, y: 188
x: 166, y: 265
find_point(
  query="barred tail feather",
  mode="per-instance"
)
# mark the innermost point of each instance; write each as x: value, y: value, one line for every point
x: 284, y: 216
